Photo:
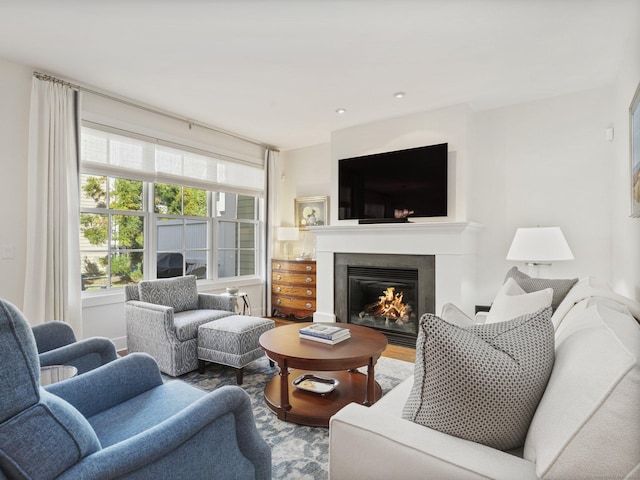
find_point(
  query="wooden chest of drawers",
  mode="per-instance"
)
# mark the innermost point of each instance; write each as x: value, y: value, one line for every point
x: 293, y: 287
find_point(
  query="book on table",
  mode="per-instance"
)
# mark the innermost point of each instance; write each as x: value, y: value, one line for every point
x: 328, y: 332
x: 328, y: 341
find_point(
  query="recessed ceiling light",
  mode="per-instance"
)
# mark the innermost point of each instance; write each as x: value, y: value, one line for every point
x: 399, y: 94
x: 340, y: 111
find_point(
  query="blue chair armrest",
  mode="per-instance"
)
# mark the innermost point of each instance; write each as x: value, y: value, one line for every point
x: 109, y: 385
x: 85, y: 355
x: 218, y: 430
x: 51, y: 335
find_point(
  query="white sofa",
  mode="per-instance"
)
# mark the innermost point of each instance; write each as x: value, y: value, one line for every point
x: 587, y: 424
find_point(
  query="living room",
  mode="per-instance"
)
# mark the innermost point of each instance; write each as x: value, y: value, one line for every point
x: 546, y: 161
x: 545, y: 157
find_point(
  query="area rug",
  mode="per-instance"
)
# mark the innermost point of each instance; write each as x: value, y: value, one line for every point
x: 298, y: 452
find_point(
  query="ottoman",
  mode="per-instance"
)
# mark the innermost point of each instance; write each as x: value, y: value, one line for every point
x: 232, y: 341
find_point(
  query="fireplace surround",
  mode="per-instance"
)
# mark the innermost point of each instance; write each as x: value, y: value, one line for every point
x: 387, y: 292
x: 452, y: 244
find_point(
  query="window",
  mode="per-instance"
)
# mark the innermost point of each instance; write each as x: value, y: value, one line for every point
x: 150, y: 211
x: 237, y: 230
x: 111, y: 231
x: 181, y: 231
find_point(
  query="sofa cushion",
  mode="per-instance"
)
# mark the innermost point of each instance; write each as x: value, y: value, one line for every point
x: 588, y: 422
x: 530, y: 284
x: 512, y: 301
x: 181, y: 293
x: 186, y: 323
x: 481, y: 383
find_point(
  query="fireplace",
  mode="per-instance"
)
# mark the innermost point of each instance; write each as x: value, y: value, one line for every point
x: 386, y: 292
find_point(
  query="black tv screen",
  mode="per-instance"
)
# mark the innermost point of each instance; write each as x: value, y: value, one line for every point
x: 381, y: 185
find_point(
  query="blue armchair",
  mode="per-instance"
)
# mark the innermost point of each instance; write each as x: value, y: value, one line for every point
x: 118, y: 421
x: 57, y: 345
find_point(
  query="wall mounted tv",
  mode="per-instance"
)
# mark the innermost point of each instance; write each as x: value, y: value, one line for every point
x: 377, y: 187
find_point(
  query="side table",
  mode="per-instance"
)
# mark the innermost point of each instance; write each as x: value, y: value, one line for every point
x: 56, y: 373
x: 243, y: 307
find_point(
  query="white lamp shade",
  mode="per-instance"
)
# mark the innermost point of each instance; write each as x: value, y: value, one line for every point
x: 288, y: 233
x: 539, y: 245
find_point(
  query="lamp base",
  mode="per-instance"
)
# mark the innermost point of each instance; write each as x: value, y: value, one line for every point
x: 538, y: 270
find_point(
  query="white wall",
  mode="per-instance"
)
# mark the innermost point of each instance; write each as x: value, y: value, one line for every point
x: 15, y: 93
x: 541, y: 163
x: 447, y: 125
x: 305, y: 175
x: 544, y: 163
x: 102, y: 314
x: 625, y: 246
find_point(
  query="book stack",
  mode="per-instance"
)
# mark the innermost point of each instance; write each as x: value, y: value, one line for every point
x: 325, y: 333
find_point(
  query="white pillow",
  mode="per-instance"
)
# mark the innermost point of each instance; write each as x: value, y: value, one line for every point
x: 512, y: 302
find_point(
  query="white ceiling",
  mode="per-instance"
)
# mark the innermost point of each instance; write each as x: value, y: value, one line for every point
x: 277, y: 70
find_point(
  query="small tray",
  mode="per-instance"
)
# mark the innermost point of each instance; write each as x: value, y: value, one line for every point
x: 314, y: 384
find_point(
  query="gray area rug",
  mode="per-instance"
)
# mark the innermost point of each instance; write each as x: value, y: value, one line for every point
x: 298, y: 452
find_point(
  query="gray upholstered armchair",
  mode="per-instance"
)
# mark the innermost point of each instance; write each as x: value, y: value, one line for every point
x: 57, y: 345
x: 163, y: 317
x: 118, y: 421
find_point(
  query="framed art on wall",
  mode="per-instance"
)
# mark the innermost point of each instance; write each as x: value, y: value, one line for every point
x: 311, y: 211
x: 634, y: 140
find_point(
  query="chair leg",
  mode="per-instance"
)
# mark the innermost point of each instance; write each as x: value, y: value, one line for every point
x: 239, y: 375
x: 201, y: 364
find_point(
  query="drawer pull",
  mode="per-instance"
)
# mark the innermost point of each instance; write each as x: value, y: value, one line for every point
x: 278, y: 266
x: 308, y: 279
x: 278, y: 289
x: 278, y: 277
x: 309, y: 292
x: 308, y: 305
x: 279, y: 301
x: 309, y: 268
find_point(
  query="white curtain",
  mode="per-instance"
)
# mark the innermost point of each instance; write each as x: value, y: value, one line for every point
x: 52, y: 278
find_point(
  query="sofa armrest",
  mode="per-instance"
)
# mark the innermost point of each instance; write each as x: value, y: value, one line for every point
x: 214, y: 301
x: 52, y: 335
x: 85, y: 355
x: 215, y: 437
x: 481, y: 317
x: 390, y: 447
x: 109, y: 385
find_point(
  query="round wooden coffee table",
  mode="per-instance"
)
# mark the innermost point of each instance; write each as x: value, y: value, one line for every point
x: 296, y: 357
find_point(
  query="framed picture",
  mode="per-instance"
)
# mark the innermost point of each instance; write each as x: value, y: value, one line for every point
x: 311, y: 211
x: 634, y: 137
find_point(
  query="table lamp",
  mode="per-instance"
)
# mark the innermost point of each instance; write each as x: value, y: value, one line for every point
x: 538, y: 247
x: 286, y: 235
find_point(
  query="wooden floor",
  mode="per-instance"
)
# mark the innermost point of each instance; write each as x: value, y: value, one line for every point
x: 392, y: 351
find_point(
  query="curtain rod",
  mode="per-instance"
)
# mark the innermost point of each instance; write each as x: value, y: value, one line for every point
x: 190, y: 123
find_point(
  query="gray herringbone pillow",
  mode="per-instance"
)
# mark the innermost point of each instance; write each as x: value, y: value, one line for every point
x: 529, y: 284
x: 481, y: 383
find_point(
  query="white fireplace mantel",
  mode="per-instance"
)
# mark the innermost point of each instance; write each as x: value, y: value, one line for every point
x: 452, y: 243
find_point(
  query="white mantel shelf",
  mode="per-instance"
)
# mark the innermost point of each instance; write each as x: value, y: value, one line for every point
x: 452, y: 243
x: 395, y: 227
x: 415, y: 238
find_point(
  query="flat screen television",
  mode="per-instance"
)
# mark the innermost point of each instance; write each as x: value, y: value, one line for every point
x: 377, y: 187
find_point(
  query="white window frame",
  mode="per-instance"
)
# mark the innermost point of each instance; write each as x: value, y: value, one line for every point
x: 151, y: 219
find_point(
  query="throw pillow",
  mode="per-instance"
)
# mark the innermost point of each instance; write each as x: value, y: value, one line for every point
x: 481, y: 383
x: 512, y: 301
x: 531, y: 284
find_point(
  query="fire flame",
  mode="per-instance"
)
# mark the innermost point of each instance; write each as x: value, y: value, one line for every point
x: 390, y: 306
